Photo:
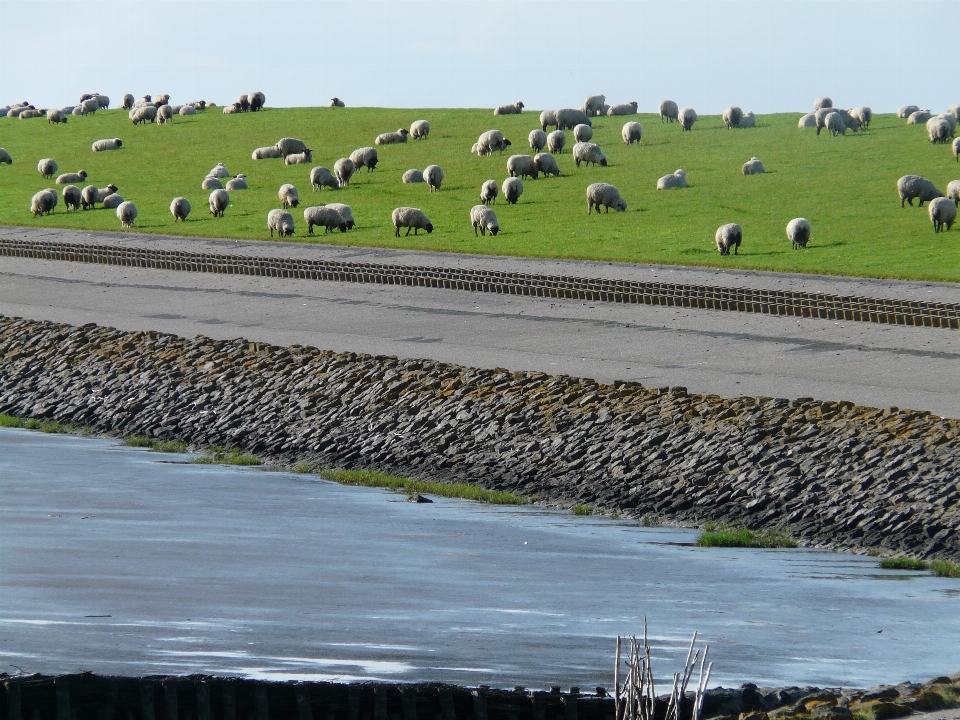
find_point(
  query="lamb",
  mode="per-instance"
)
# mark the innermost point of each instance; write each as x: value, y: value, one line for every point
x: 211, y: 183
x: 593, y: 104
x: 237, y: 183
x: 732, y: 117
x: 687, y: 116
x: 547, y: 118
x: 180, y: 208
x: 433, y: 177
x: 748, y: 120
x: 798, y: 232
x: 419, y: 129
x: 256, y: 100
x: 145, y: 113
x: 164, y: 113
x: 676, y: 180
x: 288, y: 196
x: 345, y: 212
x: 582, y: 133
x: 943, y: 212
x: 753, y: 167
x: 914, y: 186
x: 729, y: 236
x: 492, y: 141
x: 821, y: 103
x: 547, y: 164
x: 127, y: 101
x: 56, y: 117
x: 321, y: 177
x: 956, y: 150
x: 808, y: 120
x: 537, y: 139
x: 939, y: 130
x: 343, y: 169
x: 329, y: 218
x: 568, y: 119
x: 91, y: 195
x: 412, y: 176
x: 337, y: 102
x: 412, y: 219
x: 514, y: 109
x: 72, y: 197
x: 47, y: 167
x: 606, y: 195
x: 906, y: 111
x: 392, y: 138
x: 864, y: 114
x: 483, y: 219
x: 263, y: 153
x: 512, y: 190
x: 107, y: 144
x: 187, y: 110
x: 488, y: 192
x: 365, y: 157
x: 5, y: 157
x: 299, y: 158
x: 219, y: 200
x: 43, y: 202
x: 289, y: 146
x: 919, y: 117
x: 953, y: 191
x: 556, y: 141
x: 112, y: 201
x: 835, y: 124
x: 585, y: 152
x: 629, y: 108
x: 67, y: 178
x: 281, y: 221
x: 632, y: 132
x: 126, y: 213
x: 522, y: 166
x: 232, y: 109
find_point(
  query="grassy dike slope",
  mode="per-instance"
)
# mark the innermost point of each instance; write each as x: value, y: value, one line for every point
x: 846, y: 186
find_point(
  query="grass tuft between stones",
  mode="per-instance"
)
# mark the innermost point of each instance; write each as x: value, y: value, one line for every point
x: 369, y: 478
x: 728, y: 535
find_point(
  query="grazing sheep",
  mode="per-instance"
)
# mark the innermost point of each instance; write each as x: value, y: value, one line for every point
x: 288, y: 196
x: 522, y: 166
x: 256, y: 100
x: 91, y: 195
x: 56, y: 117
x: 433, y: 177
x: 365, y: 157
x: 919, y: 117
x: 412, y: 176
x: 547, y: 164
x: 835, y: 124
x: 89, y: 107
x: 72, y: 197
x: 512, y: 190
x: 419, y: 129
x: 556, y: 141
x: 537, y: 139
x: 953, y: 191
x: 412, y: 219
x: 264, y: 153
x: 821, y: 103
x: 337, y: 102
x: 593, y: 104
x: 392, y: 138
x: 956, y: 149
x: 587, y: 152
x: 514, y: 109
x: 219, y: 200
x: 47, y: 167
x: 475, y: 149
x: 180, y: 208
x: 488, y: 192
x: 629, y: 108
x: 753, y: 167
x: 951, y: 121
x: 326, y: 217
x: 112, y: 201
x: 851, y: 122
x: 954, y: 110
x: 321, y: 177
x: 582, y: 133
x: 104, y: 101
x: 299, y: 158
x: 548, y: 118
x: 632, y: 132
x: 748, y: 120
x: 244, y: 102
x: 939, y: 130
x: 483, y: 219
x: 5, y: 157
x: 127, y: 102
x: 906, y: 111
x: 687, y: 116
x: 144, y: 113
x: 187, y: 110
x: 943, y: 212
x: 568, y: 119
x: 67, y: 178
x: 237, y: 183
x: 798, y: 232
x: 821, y: 118
x: 281, y: 221
x: 677, y: 179
x: 914, y: 186
x: 107, y: 144
x: 289, y: 146
x: 606, y: 195
x: 211, y: 183
x: 345, y: 212
x: 126, y: 213
x: 492, y: 141
x: 343, y: 169
x: 43, y: 202
x: 669, y: 111
x: 864, y: 114
x: 729, y: 236
x: 732, y: 117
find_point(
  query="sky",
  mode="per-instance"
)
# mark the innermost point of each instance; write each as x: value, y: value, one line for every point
x: 763, y: 55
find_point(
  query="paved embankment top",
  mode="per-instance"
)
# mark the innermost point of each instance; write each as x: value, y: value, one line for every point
x: 834, y: 285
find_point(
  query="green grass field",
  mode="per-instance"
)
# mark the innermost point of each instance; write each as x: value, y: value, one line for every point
x: 846, y: 186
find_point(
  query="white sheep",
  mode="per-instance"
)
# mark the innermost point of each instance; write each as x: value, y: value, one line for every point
x: 954, y: 110
x: 587, y: 152
x: 325, y: 217
x: 107, y: 144
x: 669, y: 111
x: 939, y: 130
x: 484, y: 219
x: 288, y: 196
x: 606, y: 195
x: 849, y: 120
x: 72, y: 197
x: 915, y: 186
x: 556, y: 141
x: 211, y: 183
x: 321, y: 177
x: 808, y: 120
x: 127, y: 101
x: 629, y: 108
x: 256, y: 100
x: 920, y: 117
x: 126, y: 213
x: 343, y: 169
x: 864, y: 114
x: 512, y: 190
x: 632, y: 132
x: 112, y: 201
x: 412, y: 219
x: 47, y: 167
x: 492, y: 141
x: 821, y: 117
x: 906, y: 111
x: 943, y: 212
x: 433, y: 177
x: 365, y: 157
x: 489, y: 191
x: 835, y: 124
x: 537, y: 139
x: 232, y: 109
x: 237, y: 183
x: 953, y: 191
x: 547, y: 164
x: 266, y: 152
x: 951, y: 120
x: 68, y: 178
x: 729, y: 236
x: 337, y: 102
x: 822, y: 102
x: 219, y: 200
x: 219, y: 171
x: 301, y: 158
x: 104, y: 101
x: 568, y: 118
x: 44, y: 202
x: 144, y: 113
x: 748, y: 120
x: 513, y: 109
x: 180, y: 208
x: 583, y: 133
x: 288, y: 146
x: 5, y: 157
x: 593, y: 104
x: 281, y: 221
x: 753, y: 167
x: 345, y: 212
x: 392, y: 138
x: 187, y: 110
x: 798, y: 232
x: 90, y: 106
x: 412, y: 176
x: 956, y: 149
x: 91, y: 195
x: 29, y: 114
x: 522, y: 166
x: 732, y: 117
x: 56, y: 117
x: 548, y: 118
x: 676, y: 179
x: 687, y: 117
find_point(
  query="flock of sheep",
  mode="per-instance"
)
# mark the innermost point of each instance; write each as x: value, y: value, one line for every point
x: 337, y: 216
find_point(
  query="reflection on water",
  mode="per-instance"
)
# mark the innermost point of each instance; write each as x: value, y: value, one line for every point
x: 118, y: 561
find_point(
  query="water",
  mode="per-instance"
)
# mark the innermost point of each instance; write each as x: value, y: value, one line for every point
x: 118, y: 560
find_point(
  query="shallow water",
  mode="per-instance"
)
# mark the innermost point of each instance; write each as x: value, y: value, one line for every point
x: 119, y: 560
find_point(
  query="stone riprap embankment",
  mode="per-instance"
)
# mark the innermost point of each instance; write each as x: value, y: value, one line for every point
x: 830, y: 474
